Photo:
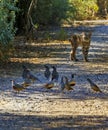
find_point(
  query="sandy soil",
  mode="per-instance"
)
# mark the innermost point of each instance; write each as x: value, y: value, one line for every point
x: 36, y: 108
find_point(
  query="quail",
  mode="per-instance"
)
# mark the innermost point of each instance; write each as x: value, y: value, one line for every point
x: 93, y: 85
x: 55, y: 74
x: 17, y: 87
x: 47, y: 72
x: 27, y: 74
x: 62, y: 84
x: 72, y: 81
x: 67, y: 85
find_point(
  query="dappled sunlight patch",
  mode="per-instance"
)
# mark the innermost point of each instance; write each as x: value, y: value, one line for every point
x: 96, y: 67
x: 23, y: 59
x: 39, y: 60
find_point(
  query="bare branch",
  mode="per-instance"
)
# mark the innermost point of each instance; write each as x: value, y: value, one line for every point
x: 30, y: 25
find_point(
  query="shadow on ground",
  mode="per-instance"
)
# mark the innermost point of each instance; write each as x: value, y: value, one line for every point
x: 34, y: 122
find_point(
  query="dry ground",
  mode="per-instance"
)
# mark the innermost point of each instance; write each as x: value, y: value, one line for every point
x: 36, y: 108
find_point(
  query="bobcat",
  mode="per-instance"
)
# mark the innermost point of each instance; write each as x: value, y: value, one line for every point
x: 83, y: 40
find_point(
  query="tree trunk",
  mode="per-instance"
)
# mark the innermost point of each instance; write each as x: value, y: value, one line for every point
x: 29, y: 25
x: 103, y: 4
x: 24, y: 21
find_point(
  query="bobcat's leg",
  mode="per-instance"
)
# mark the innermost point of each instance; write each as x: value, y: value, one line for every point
x: 72, y: 54
x: 85, y: 51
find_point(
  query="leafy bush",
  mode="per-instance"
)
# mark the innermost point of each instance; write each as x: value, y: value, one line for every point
x: 7, y: 31
x: 84, y: 9
x: 54, y: 11
x: 50, y: 11
x: 59, y: 11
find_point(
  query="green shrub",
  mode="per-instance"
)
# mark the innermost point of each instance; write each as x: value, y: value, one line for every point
x: 50, y: 11
x: 84, y: 9
x: 7, y: 31
x: 60, y: 10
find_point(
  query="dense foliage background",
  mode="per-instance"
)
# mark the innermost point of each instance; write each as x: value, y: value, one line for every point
x: 7, y: 29
x: 23, y: 16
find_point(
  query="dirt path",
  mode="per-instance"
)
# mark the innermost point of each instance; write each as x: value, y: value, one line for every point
x: 38, y: 108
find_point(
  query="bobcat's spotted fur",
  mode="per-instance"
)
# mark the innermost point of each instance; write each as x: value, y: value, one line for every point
x: 83, y: 40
